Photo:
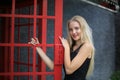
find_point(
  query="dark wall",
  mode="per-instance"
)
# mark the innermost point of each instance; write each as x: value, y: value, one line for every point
x: 117, y: 41
x: 102, y: 23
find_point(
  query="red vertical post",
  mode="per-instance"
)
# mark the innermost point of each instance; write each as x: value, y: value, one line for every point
x: 12, y: 41
x: 34, y: 35
x: 58, y: 32
x: 39, y: 24
x: 44, y: 28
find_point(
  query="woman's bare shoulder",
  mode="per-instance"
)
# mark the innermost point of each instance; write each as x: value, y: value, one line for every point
x: 87, y: 45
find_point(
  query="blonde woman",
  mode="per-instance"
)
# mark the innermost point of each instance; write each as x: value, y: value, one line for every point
x: 78, y: 50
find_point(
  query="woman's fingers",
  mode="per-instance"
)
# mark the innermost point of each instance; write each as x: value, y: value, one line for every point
x: 29, y: 42
x: 33, y: 41
x: 37, y: 41
x: 36, y: 38
x: 62, y: 40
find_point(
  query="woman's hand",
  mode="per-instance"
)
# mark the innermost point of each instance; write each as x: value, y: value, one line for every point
x: 34, y: 41
x: 64, y: 42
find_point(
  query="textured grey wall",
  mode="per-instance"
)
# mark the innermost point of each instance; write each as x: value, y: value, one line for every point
x: 102, y: 23
x: 117, y: 40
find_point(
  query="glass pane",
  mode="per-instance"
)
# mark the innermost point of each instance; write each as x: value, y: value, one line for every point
x: 23, y: 78
x: 50, y: 31
x: 24, y: 7
x: 5, y: 6
x: 51, y: 8
x: 5, y: 54
x: 4, y: 77
x: 23, y: 30
x: 39, y: 7
x: 23, y: 59
x: 5, y: 29
x: 49, y: 77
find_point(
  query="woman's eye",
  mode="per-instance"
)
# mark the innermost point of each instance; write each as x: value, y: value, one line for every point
x: 76, y: 28
x: 70, y: 29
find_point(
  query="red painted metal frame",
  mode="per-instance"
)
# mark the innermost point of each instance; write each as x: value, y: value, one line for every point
x: 10, y: 44
x: 44, y: 24
x: 12, y: 41
x: 58, y: 32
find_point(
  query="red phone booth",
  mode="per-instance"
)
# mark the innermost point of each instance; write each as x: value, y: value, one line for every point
x: 20, y: 20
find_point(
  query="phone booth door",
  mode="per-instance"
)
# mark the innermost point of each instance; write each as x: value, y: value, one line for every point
x: 21, y: 20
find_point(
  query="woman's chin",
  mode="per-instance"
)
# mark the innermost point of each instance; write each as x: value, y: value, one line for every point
x: 75, y: 39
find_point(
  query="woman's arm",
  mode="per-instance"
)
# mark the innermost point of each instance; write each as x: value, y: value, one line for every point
x: 84, y: 52
x: 42, y: 54
x: 45, y: 58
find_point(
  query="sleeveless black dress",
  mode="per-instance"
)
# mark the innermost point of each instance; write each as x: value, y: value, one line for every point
x: 80, y: 73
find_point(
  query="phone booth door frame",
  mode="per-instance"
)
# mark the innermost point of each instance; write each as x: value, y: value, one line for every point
x: 7, y: 71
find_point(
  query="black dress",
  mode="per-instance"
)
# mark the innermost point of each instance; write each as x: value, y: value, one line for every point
x: 80, y: 73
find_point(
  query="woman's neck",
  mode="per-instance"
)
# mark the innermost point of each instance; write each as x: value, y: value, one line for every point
x: 78, y: 43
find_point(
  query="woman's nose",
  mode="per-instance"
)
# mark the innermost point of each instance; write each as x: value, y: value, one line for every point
x: 74, y: 31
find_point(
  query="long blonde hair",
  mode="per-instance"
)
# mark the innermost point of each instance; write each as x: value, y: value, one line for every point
x: 86, y: 36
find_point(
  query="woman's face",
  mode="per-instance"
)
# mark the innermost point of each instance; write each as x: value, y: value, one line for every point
x: 74, y: 30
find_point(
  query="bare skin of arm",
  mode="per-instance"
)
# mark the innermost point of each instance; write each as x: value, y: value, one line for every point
x: 42, y: 54
x: 83, y: 54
